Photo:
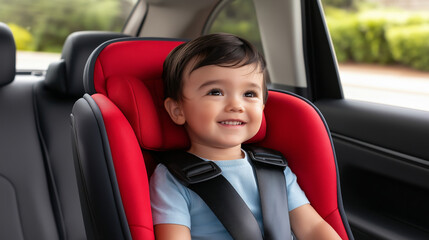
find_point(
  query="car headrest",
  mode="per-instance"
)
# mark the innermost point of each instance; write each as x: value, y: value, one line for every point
x: 65, y: 76
x: 7, y: 55
x: 129, y: 73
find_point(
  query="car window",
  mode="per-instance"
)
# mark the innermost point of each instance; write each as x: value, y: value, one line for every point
x: 381, y: 48
x: 238, y: 17
x: 41, y: 26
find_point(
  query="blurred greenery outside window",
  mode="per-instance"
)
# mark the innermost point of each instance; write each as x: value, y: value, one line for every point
x: 367, y: 32
x: 41, y: 26
x: 382, y: 47
x: 239, y: 17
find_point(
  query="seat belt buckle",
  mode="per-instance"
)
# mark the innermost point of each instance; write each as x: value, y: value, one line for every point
x: 201, y: 172
x: 267, y: 157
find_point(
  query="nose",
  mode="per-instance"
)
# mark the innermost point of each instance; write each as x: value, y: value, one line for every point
x: 234, y: 105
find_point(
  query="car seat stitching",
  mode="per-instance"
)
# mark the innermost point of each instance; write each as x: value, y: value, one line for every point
x: 17, y: 203
x: 332, y: 212
x: 53, y: 190
x: 129, y: 84
x: 140, y: 226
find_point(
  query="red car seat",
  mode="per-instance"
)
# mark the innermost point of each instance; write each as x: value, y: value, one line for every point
x: 117, y: 127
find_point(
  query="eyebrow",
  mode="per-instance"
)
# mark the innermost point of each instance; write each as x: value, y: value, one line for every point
x: 213, y: 82
x: 255, y: 85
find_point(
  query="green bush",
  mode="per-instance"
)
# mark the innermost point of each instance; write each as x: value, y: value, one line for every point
x: 239, y: 18
x: 50, y: 22
x: 372, y: 45
x: 338, y: 3
x: 343, y: 32
x: 23, y: 38
x: 410, y: 45
x: 379, y: 36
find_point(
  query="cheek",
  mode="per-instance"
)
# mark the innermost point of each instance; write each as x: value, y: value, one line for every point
x: 200, y: 112
x: 256, y: 114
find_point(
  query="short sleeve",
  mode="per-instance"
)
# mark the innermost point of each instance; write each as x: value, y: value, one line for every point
x: 295, y: 196
x: 169, y: 199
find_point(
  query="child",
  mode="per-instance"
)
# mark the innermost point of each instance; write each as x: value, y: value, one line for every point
x: 215, y: 87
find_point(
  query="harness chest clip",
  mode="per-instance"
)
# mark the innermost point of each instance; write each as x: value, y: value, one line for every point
x: 267, y: 157
x: 200, y: 172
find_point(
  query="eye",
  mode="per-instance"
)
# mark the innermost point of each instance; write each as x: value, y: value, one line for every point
x: 215, y: 92
x: 250, y: 94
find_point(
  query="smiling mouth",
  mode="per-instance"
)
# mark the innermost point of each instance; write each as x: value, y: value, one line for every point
x: 232, y: 123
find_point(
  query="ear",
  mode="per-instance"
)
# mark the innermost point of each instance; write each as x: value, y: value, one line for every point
x: 174, y: 109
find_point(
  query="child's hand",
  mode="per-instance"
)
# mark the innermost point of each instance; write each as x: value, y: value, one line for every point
x: 306, y: 223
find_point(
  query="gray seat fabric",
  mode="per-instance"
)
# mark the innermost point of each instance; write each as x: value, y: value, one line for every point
x: 39, y: 196
x: 25, y: 204
x: 54, y: 99
x: 7, y: 55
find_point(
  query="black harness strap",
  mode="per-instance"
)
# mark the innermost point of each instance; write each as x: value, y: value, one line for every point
x: 205, y: 178
x: 272, y: 190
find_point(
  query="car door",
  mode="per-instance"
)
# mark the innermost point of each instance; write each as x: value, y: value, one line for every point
x: 382, y: 151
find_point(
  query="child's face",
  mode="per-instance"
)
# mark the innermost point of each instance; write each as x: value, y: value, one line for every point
x: 222, y: 106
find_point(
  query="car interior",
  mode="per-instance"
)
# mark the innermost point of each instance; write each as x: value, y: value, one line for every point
x: 61, y: 176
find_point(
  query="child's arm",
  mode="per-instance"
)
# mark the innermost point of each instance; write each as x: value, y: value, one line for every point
x: 306, y: 223
x: 172, y: 232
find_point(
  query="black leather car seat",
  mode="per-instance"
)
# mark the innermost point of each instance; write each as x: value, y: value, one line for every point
x: 39, y: 197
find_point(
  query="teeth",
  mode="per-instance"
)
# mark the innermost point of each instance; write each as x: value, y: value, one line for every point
x: 231, y: 122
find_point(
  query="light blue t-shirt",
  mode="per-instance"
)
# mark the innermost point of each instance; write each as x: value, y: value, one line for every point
x: 173, y: 203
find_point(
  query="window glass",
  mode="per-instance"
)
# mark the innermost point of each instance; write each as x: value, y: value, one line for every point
x: 41, y: 26
x: 382, y: 49
x: 239, y: 17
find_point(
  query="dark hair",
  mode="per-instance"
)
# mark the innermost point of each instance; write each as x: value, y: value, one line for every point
x: 219, y: 49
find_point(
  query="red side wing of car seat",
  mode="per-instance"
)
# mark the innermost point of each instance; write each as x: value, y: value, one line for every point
x: 295, y: 128
x: 130, y: 168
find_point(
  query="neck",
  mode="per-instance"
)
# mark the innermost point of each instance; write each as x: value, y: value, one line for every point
x: 214, y: 153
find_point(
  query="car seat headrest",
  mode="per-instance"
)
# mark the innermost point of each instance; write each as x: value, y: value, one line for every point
x: 65, y: 76
x: 7, y: 55
x: 129, y: 73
